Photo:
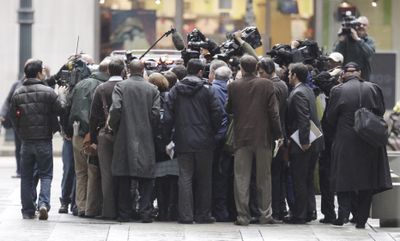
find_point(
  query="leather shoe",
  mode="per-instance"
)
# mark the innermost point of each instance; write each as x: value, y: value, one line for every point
x: 269, y: 221
x: 311, y: 216
x: 185, y: 221
x: 254, y: 220
x: 360, y: 226
x: 327, y: 220
x: 205, y: 220
x: 340, y: 221
x: 240, y: 223
x: 292, y: 220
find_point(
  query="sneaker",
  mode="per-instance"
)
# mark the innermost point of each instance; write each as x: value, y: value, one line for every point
x: 43, y: 215
x: 63, y: 208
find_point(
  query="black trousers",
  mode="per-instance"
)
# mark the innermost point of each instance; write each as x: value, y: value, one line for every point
x: 278, y: 178
x: 145, y: 187
x: 302, y: 166
x: 167, y: 197
x: 195, y: 170
x: 359, y: 203
x: 327, y: 196
x: 222, y: 184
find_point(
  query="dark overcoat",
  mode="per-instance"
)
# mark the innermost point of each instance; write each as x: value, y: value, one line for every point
x: 134, y: 115
x: 356, y: 165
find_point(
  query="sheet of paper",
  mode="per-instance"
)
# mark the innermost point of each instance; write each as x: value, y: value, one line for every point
x: 315, y: 133
x: 170, y: 149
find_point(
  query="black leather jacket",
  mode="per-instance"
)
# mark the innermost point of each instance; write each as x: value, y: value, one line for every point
x: 34, y: 110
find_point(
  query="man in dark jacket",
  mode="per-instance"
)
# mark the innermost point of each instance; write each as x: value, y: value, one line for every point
x: 266, y: 69
x: 134, y: 115
x: 301, y: 111
x: 255, y: 111
x: 359, y: 170
x: 222, y: 181
x: 102, y: 137
x: 88, y: 187
x: 33, y: 112
x: 195, y: 112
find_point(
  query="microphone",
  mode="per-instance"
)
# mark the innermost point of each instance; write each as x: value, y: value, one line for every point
x: 177, y: 40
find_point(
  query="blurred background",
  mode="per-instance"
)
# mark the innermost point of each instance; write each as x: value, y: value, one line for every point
x: 48, y: 29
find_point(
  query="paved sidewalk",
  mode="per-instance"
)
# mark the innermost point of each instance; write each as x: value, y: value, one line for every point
x: 66, y: 227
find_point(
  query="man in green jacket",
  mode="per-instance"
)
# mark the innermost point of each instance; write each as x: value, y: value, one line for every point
x: 88, y: 185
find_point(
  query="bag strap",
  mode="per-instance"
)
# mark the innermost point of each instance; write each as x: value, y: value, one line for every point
x: 360, y: 95
x: 104, y: 102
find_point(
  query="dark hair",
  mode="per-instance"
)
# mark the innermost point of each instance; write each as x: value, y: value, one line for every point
x: 248, y: 63
x: 115, y: 67
x: 300, y: 70
x: 267, y: 64
x: 32, y: 68
x: 194, y: 66
x: 171, y: 77
x: 180, y: 71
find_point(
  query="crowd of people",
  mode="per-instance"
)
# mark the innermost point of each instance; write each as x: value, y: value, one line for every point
x: 233, y: 147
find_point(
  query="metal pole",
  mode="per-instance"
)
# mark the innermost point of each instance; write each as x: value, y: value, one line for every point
x: 25, y: 20
x: 179, y: 16
x: 319, y: 19
x: 267, y: 35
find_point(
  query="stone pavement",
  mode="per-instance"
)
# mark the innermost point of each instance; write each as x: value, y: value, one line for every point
x: 66, y: 227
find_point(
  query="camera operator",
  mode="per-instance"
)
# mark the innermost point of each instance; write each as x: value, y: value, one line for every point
x: 356, y: 46
x: 246, y: 47
x: 88, y: 189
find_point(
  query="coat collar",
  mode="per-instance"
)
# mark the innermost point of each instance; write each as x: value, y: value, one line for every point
x: 33, y: 81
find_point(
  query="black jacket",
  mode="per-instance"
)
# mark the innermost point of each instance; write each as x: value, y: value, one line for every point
x: 302, y: 109
x: 34, y: 110
x: 195, y: 112
x: 355, y: 164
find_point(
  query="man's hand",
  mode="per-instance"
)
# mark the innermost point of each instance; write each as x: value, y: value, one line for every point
x: 306, y: 147
x: 62, y: 90
x: 238, y: 36
x: 354, y: 35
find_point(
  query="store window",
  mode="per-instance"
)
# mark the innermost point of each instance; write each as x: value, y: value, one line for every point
x: 135, y: 24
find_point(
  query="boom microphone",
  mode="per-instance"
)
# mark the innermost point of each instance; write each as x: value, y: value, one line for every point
x: 177, y: 39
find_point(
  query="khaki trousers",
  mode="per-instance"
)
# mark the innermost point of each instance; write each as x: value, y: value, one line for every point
x: 244, y: 157
x: 88, y: 184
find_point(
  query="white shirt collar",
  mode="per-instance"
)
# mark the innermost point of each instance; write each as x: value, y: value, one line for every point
x: 297, y: 85
x: 115, y: 78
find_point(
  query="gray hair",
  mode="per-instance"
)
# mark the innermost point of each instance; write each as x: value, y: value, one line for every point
x: 223, y: 73
x: 215, y: 64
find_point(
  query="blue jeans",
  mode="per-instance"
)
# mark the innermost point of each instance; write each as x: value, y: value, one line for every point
x: 37, y: 154
x: 68, y: 179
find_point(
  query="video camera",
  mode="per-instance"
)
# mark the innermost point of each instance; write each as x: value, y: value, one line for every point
x: 307, y: 52
x: 72, y: 72
x: 231, y: 47
x: 349, y: 22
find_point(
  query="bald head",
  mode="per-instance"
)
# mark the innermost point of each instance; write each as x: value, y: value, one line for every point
x: 136, y: 67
